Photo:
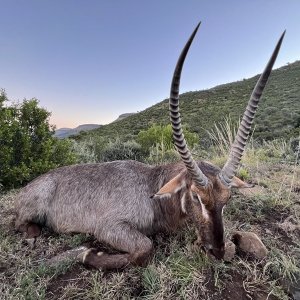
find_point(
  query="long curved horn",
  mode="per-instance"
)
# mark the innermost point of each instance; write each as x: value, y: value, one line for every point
x: 238, y: 146
x: 198, y: 177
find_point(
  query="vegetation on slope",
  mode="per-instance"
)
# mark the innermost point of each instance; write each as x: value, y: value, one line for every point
x: 277, y: 116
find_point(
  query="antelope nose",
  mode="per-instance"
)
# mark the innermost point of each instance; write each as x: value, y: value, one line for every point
x: 218, y: 253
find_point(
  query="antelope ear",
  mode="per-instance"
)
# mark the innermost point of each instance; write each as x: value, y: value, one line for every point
x: 240, y: 184
x: 172, y: 187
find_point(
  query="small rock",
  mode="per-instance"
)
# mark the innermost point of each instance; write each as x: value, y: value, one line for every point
x: 250, y: 243
x: 229, y: 251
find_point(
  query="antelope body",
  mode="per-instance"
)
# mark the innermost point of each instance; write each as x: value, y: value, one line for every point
x: 121, y: 203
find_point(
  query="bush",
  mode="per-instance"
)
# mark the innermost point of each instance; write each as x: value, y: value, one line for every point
x: 160, y: 155
x: 85, y: 151
x: 118, y: 150
x: 27, y: 145
x: 159, y: 134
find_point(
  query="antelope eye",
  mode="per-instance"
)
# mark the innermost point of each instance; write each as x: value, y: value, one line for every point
x: 196, y: 198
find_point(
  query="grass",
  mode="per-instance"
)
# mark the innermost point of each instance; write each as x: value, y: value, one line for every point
x: 177, y: 270
x: 222, y: 136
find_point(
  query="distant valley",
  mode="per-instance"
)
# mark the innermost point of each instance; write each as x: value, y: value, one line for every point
x: 62, y: 133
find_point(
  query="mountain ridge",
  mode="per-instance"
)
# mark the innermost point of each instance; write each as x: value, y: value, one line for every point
x: 277, y: 116
x: 65, y: 132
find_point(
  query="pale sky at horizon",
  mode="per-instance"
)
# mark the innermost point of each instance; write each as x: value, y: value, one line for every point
x: 90, y: 61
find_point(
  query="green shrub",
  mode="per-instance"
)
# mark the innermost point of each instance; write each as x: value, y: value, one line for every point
x: 243, y: 173
x: 85, y: 151
x: 160, y: 155
x: 159, y: 134
x: 275, y: 151
x: 27, y: 145
x: 118, y: 150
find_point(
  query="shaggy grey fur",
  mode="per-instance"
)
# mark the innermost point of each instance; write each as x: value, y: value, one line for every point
x: 112, y: 201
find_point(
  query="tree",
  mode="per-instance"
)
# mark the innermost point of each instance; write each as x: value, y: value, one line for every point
x: 27, y: 145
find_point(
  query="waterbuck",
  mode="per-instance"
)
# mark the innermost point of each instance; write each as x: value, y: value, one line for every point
x: 121, y: 203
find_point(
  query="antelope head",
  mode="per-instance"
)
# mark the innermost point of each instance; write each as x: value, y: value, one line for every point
x: 204, y: 189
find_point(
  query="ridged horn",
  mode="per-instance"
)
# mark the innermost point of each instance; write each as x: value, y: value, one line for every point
x: 241, y: 138
x: 198, y: 177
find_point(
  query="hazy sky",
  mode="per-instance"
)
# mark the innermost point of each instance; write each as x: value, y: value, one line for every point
x: 88, y: 61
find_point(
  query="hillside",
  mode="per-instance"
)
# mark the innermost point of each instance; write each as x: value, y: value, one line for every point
x: 123, y: 116
x: 277, y: 116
